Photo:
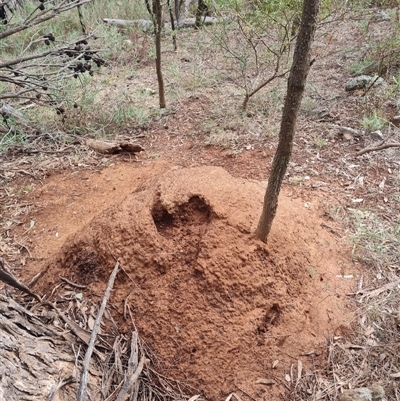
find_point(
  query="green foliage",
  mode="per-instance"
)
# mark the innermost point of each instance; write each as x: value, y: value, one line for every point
x: 256, y: 41
x: 380, y: 54
x: 360, y: 67
x: 272, y: 7
x: 76, y: 97
x: 373, y: 122
x: 319, y: 141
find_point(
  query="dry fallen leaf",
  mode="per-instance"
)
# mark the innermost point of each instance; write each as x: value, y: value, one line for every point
x: 369, y: 331
x: 90, y: 323
x: 267, y: 382
x: 299, y: 370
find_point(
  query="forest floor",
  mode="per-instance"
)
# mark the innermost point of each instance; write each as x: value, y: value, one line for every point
x: 309, y: 314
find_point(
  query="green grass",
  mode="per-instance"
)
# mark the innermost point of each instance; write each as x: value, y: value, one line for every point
x: 376, y: 241
x: 373, y: 122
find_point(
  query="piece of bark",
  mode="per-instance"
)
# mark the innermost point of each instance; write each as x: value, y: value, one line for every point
x: 107, y: 148
x: 131, y: 147
x: 33, y: 358
x: 110, y: 148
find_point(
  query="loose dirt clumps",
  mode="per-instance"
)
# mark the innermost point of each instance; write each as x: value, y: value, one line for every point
x: 219, y: 308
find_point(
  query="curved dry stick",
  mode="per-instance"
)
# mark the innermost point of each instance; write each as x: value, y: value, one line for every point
x: 7, y: 277
x: 381, y: 147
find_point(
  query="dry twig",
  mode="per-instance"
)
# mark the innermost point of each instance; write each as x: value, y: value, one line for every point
x: 72, y: 283
x: 381, y: 146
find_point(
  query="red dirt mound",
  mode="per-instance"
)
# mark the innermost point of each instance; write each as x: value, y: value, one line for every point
x: 218, y: 307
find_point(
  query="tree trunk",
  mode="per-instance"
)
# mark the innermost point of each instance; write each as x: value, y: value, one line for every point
x: 173, y: 28
x: 177, y: 9
x: 156, y: 14
x: 296, y: 84
x: 201, y: 12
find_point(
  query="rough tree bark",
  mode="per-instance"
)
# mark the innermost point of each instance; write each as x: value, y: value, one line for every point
x: 295, y: 89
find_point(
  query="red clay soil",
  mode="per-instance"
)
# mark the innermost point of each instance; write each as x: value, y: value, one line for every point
x: 219, y: 308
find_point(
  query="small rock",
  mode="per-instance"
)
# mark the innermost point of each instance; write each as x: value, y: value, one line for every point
x: 127, y: 43
x: 380, y: 16
x: 362, y: 81
x: 348, y: 130
x: 376, y: 393
x: 377, y: 134
x: 347, y: 136
x: 357, y: 394
x: 396, y: 121
x: 148, y: 91
x: 318, y: 184
x: 348, y: 133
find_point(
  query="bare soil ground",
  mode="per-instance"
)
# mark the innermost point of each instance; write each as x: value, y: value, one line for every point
x: 221, y: 311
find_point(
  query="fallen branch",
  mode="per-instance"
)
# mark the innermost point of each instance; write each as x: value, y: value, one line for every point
x: 85, y: 368
x: 378, y: 147
x: 378, y: 291
x: 109, y: 148
x: 147, y: 26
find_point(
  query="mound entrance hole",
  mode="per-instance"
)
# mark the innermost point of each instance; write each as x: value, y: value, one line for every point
x: 183, y: 227
x: 271, y: 318
x: 195, y: 212
x: 83, y: 265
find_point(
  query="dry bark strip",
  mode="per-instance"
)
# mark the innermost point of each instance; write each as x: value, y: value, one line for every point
x: 134, y: 370
x: 85, y: 368
x: 378, y: 291
x: 35, y: 360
